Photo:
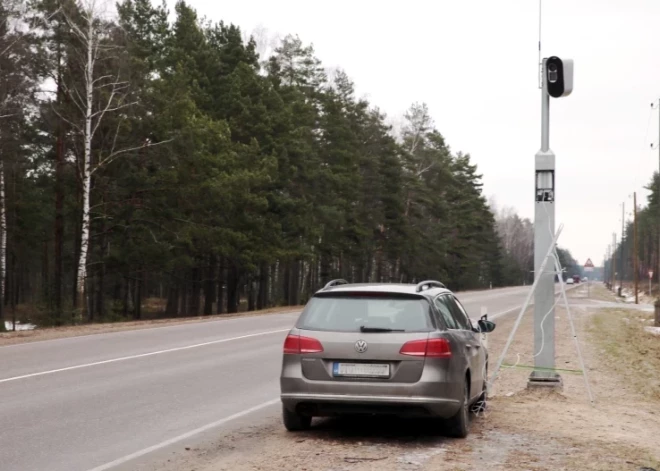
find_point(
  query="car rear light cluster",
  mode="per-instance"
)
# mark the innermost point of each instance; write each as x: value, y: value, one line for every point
x: 297, y: 345
x: 430, y: 348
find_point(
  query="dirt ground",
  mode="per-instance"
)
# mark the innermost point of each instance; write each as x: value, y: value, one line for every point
x: 521, y: 430
x: 22, y: 336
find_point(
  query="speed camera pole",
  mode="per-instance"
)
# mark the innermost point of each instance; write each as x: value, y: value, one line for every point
x: 557, y: 82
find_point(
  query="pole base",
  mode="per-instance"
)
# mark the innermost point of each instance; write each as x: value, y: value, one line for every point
x: 545, y: 380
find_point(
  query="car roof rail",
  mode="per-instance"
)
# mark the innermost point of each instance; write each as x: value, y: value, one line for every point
x: 337, y: 282
x: 429, y: 283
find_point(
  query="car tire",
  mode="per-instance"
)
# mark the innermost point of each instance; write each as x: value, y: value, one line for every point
x: 294, y: 422
x: 459, y: 423
x: 480, y: 403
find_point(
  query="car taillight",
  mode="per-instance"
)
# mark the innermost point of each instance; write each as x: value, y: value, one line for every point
x: 432, y: 348
x: 296, y: 345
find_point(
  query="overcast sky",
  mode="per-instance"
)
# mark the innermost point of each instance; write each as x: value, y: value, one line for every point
x: 474, y: 63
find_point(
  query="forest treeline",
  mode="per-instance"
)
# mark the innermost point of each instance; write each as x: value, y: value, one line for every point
x: 648, y: 242
x: 157, y: 166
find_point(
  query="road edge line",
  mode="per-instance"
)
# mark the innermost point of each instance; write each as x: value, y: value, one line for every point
x: 184, y: 436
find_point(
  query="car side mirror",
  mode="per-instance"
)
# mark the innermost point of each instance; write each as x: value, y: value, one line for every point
x: 486, y: 326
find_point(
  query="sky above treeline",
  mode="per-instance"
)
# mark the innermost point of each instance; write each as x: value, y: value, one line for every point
x: 474, y: 62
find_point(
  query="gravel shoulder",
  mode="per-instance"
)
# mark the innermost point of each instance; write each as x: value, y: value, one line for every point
x: 521, y: 430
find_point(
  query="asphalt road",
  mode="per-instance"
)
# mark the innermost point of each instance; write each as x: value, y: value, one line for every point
x: 103, y: 401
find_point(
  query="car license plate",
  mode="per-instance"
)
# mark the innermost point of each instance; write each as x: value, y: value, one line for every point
x: 361, y: 370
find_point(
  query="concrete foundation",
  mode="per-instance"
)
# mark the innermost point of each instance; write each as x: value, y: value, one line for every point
x: 544, y: 380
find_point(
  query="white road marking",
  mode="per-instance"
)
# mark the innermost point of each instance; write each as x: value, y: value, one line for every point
x: 141, y: 355
x: 184, y: 436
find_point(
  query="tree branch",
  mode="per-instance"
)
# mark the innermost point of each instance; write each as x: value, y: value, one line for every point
x: 118, y: 107
x: 112, y: 157
x: 70, y: 123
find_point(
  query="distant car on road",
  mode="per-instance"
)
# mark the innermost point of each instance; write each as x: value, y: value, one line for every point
x: 576, y: 279
x: 570, y: 281
x: 396, y: 349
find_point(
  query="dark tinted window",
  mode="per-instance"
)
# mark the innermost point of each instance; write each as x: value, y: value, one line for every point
x: 459, y: 314
x: 445, y: 312
x: 348, y: 314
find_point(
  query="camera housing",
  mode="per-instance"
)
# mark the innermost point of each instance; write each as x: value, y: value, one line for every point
x: 559, y: 76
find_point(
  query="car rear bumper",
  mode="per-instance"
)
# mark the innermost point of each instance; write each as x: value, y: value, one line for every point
x: 344, y: 404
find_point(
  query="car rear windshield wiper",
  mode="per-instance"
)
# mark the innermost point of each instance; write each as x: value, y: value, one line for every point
x: 364, y: 328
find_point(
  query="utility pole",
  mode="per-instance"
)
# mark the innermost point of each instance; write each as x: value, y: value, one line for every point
x: 635, y: 270
x: 557, y: 78
x: 654, y: 105
x: 614, y: 262
x: 623, y: 239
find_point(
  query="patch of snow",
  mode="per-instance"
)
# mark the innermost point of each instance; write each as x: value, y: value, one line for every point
x: 652, y: 330
x: 9, y: 326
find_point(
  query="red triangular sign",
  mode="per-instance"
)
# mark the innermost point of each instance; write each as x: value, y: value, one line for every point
x: 589, y: 263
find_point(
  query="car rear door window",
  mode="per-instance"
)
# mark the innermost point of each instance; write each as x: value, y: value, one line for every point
x: 445, y: 312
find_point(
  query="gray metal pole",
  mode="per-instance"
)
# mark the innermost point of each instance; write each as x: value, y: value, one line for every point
x: 544, y: 231
x: 614, y: 263
x: 535, y: 286
x: 623, y: 241
x: 635, y: 268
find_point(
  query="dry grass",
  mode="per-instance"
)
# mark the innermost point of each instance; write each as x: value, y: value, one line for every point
x: 49, y: 333
x: 634, y: 353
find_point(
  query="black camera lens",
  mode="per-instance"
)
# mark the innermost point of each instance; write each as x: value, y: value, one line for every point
x: 553, y: 74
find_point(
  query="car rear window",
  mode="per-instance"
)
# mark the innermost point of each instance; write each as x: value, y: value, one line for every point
x: 350, y: 313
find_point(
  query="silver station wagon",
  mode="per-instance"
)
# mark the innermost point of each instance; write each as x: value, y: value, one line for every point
x: 407, y: 350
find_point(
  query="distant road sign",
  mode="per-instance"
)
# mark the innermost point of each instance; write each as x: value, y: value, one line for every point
x: 650, y: 274
x: 589, y: 266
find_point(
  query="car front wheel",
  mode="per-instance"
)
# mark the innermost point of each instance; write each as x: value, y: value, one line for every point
x: 295, y: 422
x: 480, y: 404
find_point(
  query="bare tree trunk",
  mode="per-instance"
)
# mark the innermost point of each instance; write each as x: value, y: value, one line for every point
x: 232, y: 289
x: 251, y: 295
x: 59, y: 206
x: 3, y: 243
x: 139, y: 282
x: 209, y: 285
x: 86, y: 171
x: 196, y: 291
x: 262, y: 297
x: 220, y: 305
x: 172, y: 309
x: 286, y: 283
x: 45, y: 272
x: 100, y: 302
x: 294, y: 278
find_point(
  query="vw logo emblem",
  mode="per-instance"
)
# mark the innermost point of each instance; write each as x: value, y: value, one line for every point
x: 360, y: 346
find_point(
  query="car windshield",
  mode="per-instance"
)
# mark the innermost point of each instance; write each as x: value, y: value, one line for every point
x: 365, y: 314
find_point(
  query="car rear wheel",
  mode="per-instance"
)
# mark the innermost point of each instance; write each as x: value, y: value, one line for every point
x: 459, y: 423
x: 295, y: 422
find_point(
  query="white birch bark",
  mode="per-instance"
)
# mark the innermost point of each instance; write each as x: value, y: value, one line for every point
x: 3, y: 234
x: 91, y: 39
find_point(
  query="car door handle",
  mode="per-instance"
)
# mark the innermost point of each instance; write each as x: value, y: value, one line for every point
x: 475, y: 346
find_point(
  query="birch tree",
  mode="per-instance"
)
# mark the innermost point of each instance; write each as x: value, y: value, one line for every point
x: 98, y: 93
